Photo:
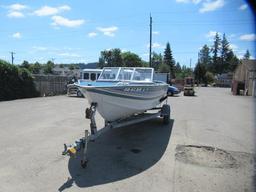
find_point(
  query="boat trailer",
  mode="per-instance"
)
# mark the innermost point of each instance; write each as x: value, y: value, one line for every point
x: 82, y: 144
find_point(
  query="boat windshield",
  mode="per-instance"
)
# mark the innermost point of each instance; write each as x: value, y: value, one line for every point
x: 142, y: 74
x: 126, y: 74
x: 109, y: 74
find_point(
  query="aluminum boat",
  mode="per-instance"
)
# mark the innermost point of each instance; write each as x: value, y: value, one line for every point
x: 121, y: 92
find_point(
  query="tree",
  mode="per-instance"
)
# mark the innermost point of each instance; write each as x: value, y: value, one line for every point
x: 25, y: 64
x: 209, y: 77
x: 204, y: 56
x: 131, y: 60
x: 48, y: 68
x: 168, y: 59
x: 110, y: 58
x: 35, y: 68
x: 163, y: 68
x: 177, y: 68
x: 247, y: 55
x: 215, y: 50
x: 157, y: 60
x: 15, y: 82
x: 233, y: 61
x: 199, y: 72
x: 225, y: 50
x: 71, y: 67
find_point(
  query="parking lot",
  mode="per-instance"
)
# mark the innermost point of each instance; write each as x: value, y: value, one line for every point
x: 209, y: 145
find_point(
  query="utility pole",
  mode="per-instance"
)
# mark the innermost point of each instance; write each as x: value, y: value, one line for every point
x: 12, y: 53
x: 190, y: 63
x: 150, y: 41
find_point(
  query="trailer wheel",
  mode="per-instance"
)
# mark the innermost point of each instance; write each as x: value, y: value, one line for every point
x: 166, y: 111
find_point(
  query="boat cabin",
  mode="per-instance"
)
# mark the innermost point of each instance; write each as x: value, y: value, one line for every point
x: 90, y: 74
x: 135, y: 74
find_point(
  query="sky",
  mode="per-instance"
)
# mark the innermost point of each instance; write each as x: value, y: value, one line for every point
x: 78, y: 30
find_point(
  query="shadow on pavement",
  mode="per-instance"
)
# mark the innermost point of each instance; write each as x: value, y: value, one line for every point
x: 121, y: 153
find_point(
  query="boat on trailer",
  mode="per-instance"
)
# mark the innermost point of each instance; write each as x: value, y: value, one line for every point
x: 122, y: 96
x: 121, y: 92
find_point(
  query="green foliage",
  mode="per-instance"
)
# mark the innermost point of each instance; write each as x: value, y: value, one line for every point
x: 209, y: 77
x: 204, y: 56
x: 199, y: 72
x: 178, y: 68
x: 71, y: 67
x: 164, y: 68
x: 184, y: 72
x: 110, y: 58
x: 221, y: 58
x: 35, y: 68
x: 114, y: 58
x: 25, y: 65
x: 48, y: 67
x: 15, y: 82
x: 131, y: 60
x: 145, y: 64
x: 157, y: 60
x: 247, y: 55
x: 169, y: 60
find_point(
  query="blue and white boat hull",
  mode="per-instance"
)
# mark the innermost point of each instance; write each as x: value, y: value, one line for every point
x: 117, y: 102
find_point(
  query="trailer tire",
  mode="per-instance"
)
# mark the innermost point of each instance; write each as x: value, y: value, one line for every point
x: 166, y: 111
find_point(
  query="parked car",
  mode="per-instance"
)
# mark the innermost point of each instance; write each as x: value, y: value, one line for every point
x: 172, y: 90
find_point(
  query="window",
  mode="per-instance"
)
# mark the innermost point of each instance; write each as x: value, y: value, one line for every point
x: 93, y: 76
x: 86, y: 76
x: 109, y: 74
x: 142, y: 75
x: 125, y: 74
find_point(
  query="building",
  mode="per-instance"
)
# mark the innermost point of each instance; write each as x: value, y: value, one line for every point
x: 65, y: 71
x: 244, y: 78
x: 224, y: 80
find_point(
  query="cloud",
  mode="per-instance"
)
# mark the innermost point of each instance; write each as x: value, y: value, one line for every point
x: 211, y: 6
x: 233, y: 46
x: 64, y: 8
x: 67, y: 54
x: 17, y: 7
x: 14, y: 10
x: 16, y: 35
x: 189, y: 1
x: 46, y: 10
x: 108, y: 31
x: 39, y: 48
x: 211, y: 34
x: 232, y: 35
x: 15, y: 14
x: 155, y: 32
x: 62, y: 21
x: 156, y: 45
x: 243, y: 7
x: 248, y: 37
x: 92, y: 34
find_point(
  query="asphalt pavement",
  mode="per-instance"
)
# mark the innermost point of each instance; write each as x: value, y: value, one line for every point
x: 209, y: 145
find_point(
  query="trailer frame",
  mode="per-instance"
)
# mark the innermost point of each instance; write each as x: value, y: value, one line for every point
x: 82, y: 144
